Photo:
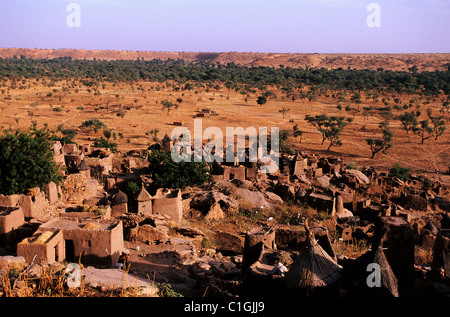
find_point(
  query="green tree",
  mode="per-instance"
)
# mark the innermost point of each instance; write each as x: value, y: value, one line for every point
x: 169, y: 105
x: 438, y: 126
x: 330, y: 127
x: 383, y: 144
x: 284, y: 111
x: 165, y: 173
x: 424, y: 130
x: 297, y: 133
x: 26, y: 160
x: 409, y: 121
x: 261, y: 100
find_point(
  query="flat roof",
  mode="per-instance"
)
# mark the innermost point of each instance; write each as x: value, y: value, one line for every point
x: 72, y: 224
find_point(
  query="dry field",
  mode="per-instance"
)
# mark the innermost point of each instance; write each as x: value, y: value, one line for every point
x: 31, y: 102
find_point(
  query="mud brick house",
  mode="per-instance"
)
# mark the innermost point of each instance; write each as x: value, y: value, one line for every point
x: 58, y: 156
x: 234, y: 172
x: 92, y: 241
x: 11, y: 218
x: 33, y: 204
x: 322, y: 202
x: 300, y: 165
x: 43, y: 247
x: 169, y: 203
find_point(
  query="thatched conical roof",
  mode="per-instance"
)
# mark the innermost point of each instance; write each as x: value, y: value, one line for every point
x: 359, y: 271
x: 167, y: 138
x: 313, y: 267
x: 119, y: 198
x: 83, y: 166
x: 144, y: 195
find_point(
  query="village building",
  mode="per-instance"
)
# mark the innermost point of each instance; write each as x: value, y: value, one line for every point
x: 11, y: 218
x: 167, y: 143
x: 84, y: 169
x: 43, y: 247
x: 93, y: 242
x: 119, y: 204
x: 144, y: 201
x: 234, y: 172
x: 168, y: 203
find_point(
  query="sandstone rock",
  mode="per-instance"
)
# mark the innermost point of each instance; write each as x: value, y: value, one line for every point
x: 344, y: 214
x: 253, y: 199
x: 274, y: 197
x: 189, y: 232
x: 9, y: 262
x: 323, y: 181
x: 117, y: 279
x: 360, y: 177
x: 150, y: 233
x: 215, y: 213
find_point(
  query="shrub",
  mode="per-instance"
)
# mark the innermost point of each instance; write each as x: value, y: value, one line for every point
x: 399, y: 171
x: 93, y: 124
x: 102, y: 142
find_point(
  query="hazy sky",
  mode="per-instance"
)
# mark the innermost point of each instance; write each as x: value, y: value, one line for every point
x: 294, y: 26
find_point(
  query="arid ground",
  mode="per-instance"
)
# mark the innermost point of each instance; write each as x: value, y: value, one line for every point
x: 70, y: 103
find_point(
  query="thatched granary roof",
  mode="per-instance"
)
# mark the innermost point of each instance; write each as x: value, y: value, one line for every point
x: 144, y: 195
x: 358, y: 274
x: 167, y: 138
x: 119, y: 198
x: 313, y: 267
x: 83, y: 166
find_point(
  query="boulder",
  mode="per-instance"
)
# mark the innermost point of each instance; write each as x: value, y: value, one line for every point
x: 344, y: 214
x: 118, y: 279
x: 149, y: 233
x: 215, y: 212
x: 323, y: 181
x: 274, y: 197
x: 252, y: 199
x: 189, y: 232
x: 360, y: 177
x: 9, y: 262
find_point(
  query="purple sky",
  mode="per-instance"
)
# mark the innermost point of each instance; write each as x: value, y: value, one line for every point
x: 285, y: 26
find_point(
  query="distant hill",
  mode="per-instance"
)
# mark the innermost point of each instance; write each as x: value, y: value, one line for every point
x: 398, y: 62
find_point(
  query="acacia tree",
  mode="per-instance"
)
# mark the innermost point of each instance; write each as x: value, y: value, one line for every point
x: 383, y: 144
x: 284, y: 111
x: 438, y: 126
x: 424, y: 130
x: 169, y: 105
x: 26, y: 160
x: 297, y: 133
x: 409, y: 121
x: 330, y: 127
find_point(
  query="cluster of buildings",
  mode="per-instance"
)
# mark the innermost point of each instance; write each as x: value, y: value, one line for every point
x: 92, y: 231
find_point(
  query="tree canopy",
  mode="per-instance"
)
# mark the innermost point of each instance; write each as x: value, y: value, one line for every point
x: 91, y: 72
x: 26, y: 160
x: 165, y: 173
